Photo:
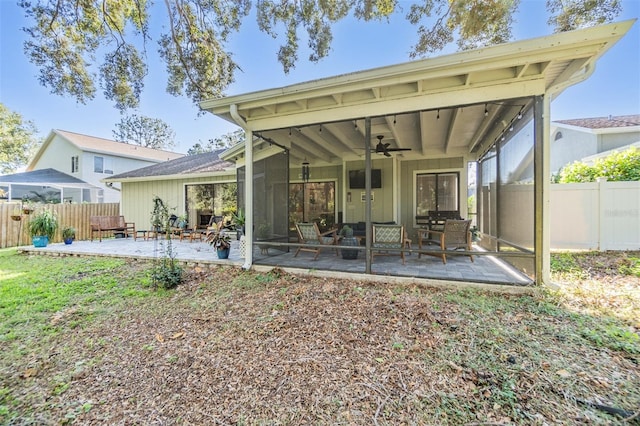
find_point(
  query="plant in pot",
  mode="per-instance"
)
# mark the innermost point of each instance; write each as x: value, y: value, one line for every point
x: 42, y: 227
x: 16, y: 214
x: 27, y: 206
x: 68, y: 234
x: 239, y: 220
x: 347, y: 239
x: 475, y: 233
x: 263, y: 232
x: 221, y: 241
x: 183, y: 221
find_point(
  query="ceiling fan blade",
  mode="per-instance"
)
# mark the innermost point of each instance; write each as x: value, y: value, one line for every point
x: 398, y: 149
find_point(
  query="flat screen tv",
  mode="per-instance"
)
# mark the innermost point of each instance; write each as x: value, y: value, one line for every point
x: 356, y: 179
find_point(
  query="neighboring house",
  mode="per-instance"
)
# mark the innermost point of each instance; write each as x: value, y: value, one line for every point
x: 193, y: 184
x: 91, y: 159
x: 584, y: 139
x: 46, y: 185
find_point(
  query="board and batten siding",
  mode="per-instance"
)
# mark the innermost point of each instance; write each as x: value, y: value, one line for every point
x: 137, y: 197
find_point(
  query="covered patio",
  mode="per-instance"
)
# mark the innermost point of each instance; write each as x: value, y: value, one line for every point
x: 486, y: 270
x: 466, y: 134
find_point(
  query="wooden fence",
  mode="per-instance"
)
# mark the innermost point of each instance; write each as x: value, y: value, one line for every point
x: 15, y: 232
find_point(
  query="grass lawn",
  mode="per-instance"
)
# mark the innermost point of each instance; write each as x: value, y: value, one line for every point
x: 89, y: 341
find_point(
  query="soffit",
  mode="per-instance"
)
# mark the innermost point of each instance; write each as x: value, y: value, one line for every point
x: 440, y: 106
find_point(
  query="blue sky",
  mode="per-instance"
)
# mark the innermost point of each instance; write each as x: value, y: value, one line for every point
x: 613, y: 89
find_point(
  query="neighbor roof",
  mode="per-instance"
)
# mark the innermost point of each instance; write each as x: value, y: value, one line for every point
x: 604, y: 122
x: 44, y: 177
x: 208, y: 162
x: 106, y: 146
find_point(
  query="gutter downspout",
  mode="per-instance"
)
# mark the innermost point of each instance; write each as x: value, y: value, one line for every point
x: 543, y: 180
x: 248, y: 185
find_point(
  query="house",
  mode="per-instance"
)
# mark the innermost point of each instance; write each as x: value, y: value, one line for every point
x: 401, y: 144
x: 90, y: 159
x: 427, y: 125
x: 200, y: 186
x: 584, y: 139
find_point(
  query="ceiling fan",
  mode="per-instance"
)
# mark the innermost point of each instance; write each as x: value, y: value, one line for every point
x: 383, y: 148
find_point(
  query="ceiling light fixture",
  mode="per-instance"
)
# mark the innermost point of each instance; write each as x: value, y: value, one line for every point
x: 486, y: 111
x: 438, y: 116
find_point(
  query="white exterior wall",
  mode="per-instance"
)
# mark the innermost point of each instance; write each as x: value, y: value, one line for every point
x: 572, y: 146
x: 58, y: 157
x: 118, y: 165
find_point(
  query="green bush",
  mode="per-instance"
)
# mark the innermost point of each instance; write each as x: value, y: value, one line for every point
x: 617, y: 167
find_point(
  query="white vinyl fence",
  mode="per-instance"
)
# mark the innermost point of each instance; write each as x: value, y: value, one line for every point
x: 595, y: 216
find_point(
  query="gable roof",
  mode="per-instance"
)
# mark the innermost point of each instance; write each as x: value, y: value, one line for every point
x: 207, y: 163
x: 105, y: 146
x: 44, y: 177
x: 611, y: 122
x: 449, y: 105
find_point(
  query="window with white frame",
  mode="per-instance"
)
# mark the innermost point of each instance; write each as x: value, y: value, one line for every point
x: 75, y: 164
x: 102, y: 165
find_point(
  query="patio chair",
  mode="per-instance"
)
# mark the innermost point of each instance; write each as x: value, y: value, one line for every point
x: 454, y: 236
x: 388, y: 240
x: 309, y: 234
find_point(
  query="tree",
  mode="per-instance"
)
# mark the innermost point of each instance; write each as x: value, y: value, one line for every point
x: 17, y: 140
x: 616, y: 167
x: 66, y: 36
x: 145, y: 131
x: 225, y: 141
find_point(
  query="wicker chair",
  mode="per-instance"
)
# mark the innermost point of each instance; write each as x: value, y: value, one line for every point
x: 454, y: 236
x: 310, y: 235
x: 388, y: 240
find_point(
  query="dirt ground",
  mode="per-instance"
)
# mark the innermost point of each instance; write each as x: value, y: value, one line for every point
x: 230, y: 347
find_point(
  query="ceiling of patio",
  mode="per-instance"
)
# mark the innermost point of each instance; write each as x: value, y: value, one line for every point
x: 449, y: 105
x: 442, y: 132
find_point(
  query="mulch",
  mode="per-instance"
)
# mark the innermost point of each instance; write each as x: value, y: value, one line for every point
x: 230, y: 347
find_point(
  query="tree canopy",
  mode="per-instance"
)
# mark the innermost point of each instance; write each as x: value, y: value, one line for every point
x: 78, y: 45
x: 618, y: 166
x: 145, y: 131
x: 17, y: 140
x: 225, y: 141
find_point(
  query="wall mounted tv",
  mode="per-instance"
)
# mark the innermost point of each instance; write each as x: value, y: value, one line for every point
x: 356, y: 179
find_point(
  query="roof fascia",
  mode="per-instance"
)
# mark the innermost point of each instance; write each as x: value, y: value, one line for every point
x: 43, y: 148
x: 452, y: 64
x: 415, y: 103
x: 226, y: 172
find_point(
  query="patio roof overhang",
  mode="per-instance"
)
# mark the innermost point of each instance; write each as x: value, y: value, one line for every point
x: 450, y: 105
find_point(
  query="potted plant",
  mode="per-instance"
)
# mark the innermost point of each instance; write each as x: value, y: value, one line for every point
x: 263, y: 232
x: 347, y: 239
x: 183, y: 221
x: 475, y: 233
x: 239, y: 220
x: 27, y: 207
x: 16, y: 214
x: 42, y: 227
x: 68, y: 234
x: 221, y: 241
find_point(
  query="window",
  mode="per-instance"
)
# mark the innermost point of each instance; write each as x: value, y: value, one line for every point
x: 312, y: 202
x: 437, y: 192
x: 74, y: 164
x: 98, y: 164
x: 102, y: 165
